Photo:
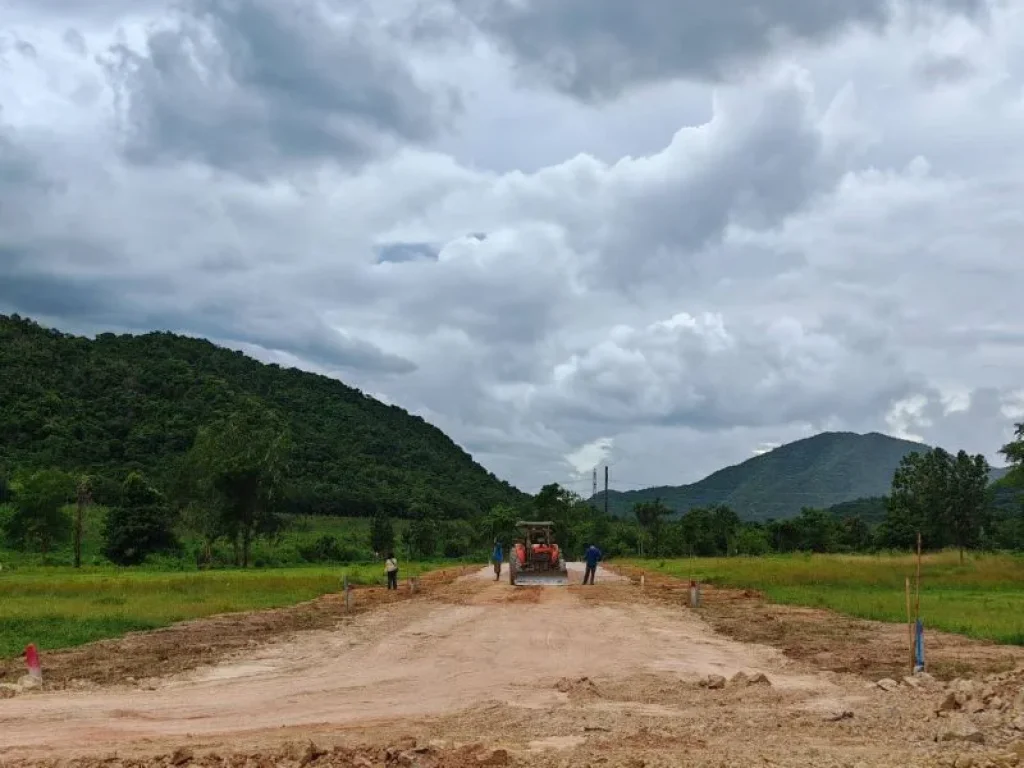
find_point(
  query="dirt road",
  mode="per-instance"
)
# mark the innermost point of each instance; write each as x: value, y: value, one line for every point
x: 569, y: 676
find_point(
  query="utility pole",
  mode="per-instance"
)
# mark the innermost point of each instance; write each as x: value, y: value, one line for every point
x: 606, y: 490
x: 593, y: 493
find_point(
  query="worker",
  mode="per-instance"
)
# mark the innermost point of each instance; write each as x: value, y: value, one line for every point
x: 391, y: 568
x: 592, y: 556
x: 496, y: 557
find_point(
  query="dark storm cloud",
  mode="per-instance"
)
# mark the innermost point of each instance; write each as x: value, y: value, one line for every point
x: 402, y: 252
x: 97, y: 9
x: 595, y: 49
x: 75, y: 42
x: 248, y: 85
x: 143, y: 304
x: 940, y: 70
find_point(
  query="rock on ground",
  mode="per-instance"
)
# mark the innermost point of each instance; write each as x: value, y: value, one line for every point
x: 713, y: 682
x: 961, y: 730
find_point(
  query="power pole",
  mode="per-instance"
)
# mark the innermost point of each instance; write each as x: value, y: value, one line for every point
x: 593, y: 493
x: 606, y: 490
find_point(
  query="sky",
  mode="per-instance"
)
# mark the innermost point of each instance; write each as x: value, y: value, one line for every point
x: 663, y: 235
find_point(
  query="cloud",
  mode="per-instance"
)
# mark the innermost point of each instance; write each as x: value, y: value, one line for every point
x: 939, y: 70
x: 251, y: 85
x: 663, y: 281
x: 399, y: 252
x: 595, y: 49
x: 696, y: 371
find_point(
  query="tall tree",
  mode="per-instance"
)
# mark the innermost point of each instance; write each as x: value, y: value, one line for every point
x: 421, y: 537
x: 500, y: 523
x: 39, y: 519
x: 570, y: 513
x: 382, y: 533
x: 83, y: 497
x: 941, y: 496
x: 650, y: 516
x: 240, y: 464
x: 918, y: 501
x: 1014, y: 453
x: 968, y: 500
x: 140, y: 525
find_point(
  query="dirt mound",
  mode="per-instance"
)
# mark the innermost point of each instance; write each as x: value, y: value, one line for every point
x: 582, y: 688
x: 827, y: 640
x: 407, y: 754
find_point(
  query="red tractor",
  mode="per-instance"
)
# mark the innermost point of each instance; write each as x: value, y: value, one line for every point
x: 536, y: 559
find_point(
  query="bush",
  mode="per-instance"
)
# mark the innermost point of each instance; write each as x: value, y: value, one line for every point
x: 327, y: 549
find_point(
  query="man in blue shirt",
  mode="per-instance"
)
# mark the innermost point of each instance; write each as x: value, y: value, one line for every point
x: 592, y: 556
x: 496, y: 557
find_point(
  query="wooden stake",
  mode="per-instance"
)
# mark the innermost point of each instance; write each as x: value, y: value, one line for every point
x: 910, y: 626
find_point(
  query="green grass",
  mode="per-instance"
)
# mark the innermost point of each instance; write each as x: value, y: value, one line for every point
x: 58, y: 607
x: 983, y: 598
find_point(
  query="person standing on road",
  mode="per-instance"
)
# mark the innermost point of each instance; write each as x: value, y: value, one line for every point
x: 592, y: 556
x: 391, y: 568
x: 496, y: 557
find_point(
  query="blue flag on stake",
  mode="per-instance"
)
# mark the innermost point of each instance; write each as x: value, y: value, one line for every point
x: 919, y: 646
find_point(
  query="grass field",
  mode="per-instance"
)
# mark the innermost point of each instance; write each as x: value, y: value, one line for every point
x: 982, y: 598
x: 59, y: 607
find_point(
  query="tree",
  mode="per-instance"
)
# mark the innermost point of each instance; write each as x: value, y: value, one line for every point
x: 240, y: 464
x: 855, y: 534
x: 1014, y: 450
x: 83, y: 497
x: 500, y: 523
x: 421, y: 537
x: 649, y: 516
x: 382, y: 533
x: 942, y: 497
x: 817, y: 530
x: 140, y: 525
x: 917, y: 502
x: 724, y: 525
x: 752, y: 539
x: 39, y: 519
x: 968, y: 500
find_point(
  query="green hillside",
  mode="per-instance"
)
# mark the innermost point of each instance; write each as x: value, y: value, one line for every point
x: 819, y: 472
x: 118, y: 403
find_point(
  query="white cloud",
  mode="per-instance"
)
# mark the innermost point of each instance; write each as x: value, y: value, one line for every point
x: 626, y: 262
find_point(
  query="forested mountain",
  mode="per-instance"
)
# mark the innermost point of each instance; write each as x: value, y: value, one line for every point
x: 120, y: 403
x: 820, y: 471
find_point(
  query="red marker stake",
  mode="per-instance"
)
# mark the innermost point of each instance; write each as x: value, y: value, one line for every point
x: 32, y: 662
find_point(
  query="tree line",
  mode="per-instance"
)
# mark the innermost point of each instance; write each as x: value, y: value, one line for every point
x: 231, y: 486
x: 944, y: 497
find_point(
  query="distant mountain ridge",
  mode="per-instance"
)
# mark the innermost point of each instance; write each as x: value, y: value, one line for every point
x: 822, y: 471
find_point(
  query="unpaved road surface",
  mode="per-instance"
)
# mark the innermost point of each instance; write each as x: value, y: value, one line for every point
x: 482, y: 673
